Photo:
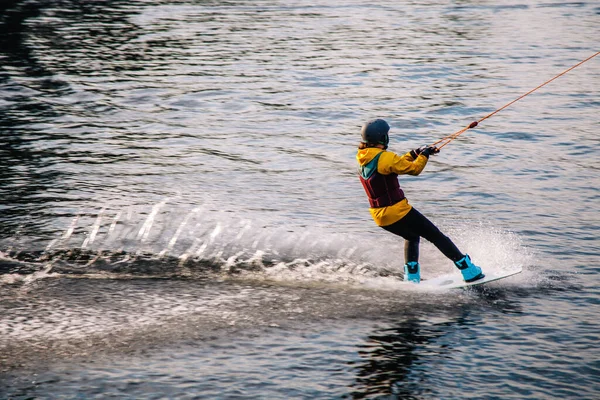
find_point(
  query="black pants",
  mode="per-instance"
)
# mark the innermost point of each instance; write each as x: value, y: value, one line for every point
x: 412, y: 227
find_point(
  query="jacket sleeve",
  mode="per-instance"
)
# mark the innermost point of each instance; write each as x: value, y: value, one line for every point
x: 402, y: 165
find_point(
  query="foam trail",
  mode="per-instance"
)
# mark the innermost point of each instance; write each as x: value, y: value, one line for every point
x: 44, y: 273
x: 186, y: 254
x: 114, y: 223
x: 49, y: 246
x: 178, y: 232
x: 70, y: 230
x: 216, y: 232
x: 95, y: 228
x: 145, y: 230
x: 201, y: 250
x: 232, y: 261
x: 246, y: 224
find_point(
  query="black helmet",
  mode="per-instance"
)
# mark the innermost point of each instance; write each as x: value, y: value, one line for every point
x: 375, y: 132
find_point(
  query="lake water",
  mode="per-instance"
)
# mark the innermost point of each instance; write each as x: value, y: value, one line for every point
x: 180, y: 215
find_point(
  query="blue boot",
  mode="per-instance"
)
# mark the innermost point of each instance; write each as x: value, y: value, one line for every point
x: 412, y: 272
x: 469, y: 271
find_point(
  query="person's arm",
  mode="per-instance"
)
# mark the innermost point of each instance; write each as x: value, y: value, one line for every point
x: 391, y: 163
x: 411, y: 163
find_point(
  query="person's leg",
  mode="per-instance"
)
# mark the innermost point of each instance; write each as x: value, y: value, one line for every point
x: 412, y: 270
x: 429, y: 231
x: 411, y: 244
x: 411, y: 250
x: 415, y: 224
x: 423, y: 227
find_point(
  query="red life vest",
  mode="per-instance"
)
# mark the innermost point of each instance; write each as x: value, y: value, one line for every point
x: 382, y: 190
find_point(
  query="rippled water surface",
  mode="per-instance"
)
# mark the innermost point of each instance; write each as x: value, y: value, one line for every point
x: 180, y: 215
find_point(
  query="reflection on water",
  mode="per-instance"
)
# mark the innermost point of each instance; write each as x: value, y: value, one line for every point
x: 391, y: 356
x: 422, y: 350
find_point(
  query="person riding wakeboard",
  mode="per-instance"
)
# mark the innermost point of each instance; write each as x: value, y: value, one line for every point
x: 378, y: 173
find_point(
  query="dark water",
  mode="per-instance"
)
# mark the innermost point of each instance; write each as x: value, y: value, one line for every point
x: 180, y: 215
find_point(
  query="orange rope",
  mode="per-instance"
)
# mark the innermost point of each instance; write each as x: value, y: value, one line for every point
x: 473, y: 124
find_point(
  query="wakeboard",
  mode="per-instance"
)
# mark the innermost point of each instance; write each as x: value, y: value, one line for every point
x: 455, y: 280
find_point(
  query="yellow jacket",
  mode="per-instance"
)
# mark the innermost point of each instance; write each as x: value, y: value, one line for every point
x: 391, y: 163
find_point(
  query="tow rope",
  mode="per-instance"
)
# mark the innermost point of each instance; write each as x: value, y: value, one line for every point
x: 447, y: 139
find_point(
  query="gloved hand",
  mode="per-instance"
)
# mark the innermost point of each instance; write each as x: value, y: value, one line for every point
x: 415, y: 153
x: 429, y: 150
x: 425, y: 150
